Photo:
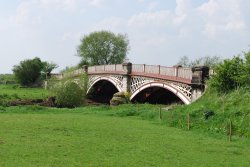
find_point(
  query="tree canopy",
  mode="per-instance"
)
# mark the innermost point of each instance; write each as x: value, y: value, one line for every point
x: 232, y: 74
x: 29, y: 71
x: 103, y: 47
x: 206, y: 61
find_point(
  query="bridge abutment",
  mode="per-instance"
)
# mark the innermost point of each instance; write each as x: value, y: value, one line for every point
x: 199, y: 76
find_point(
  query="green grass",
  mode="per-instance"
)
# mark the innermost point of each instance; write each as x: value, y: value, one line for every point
x: 89, y: 136
x: 14, y: 92
x: 234, y: 106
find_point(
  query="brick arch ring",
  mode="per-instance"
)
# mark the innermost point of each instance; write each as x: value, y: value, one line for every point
x: 168, y: 87
x: 106, y: 79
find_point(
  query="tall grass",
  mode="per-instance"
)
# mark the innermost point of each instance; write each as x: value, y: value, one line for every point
x: 234, y: 106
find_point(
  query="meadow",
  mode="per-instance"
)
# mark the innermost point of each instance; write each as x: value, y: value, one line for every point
x: 38, y: 136
x: 126, y: 135
x: 15, y: 92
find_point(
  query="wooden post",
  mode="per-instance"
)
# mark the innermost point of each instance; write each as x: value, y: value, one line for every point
x: 230, y: 131
x: 188, y: 121
x: 160, y: 113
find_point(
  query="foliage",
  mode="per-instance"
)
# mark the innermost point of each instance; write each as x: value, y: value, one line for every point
x: 231, y: 74
x: 28, y: 72
x: 103, y: 47
x: 184, y: 61
x: 221, y: 109
x: 7, y: 78
x: 206, y: 61
x: 48, y: 68
x: 70, y: 93
x: 69, y: 69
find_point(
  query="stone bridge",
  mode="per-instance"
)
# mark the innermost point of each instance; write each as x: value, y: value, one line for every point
x: 146, y: 81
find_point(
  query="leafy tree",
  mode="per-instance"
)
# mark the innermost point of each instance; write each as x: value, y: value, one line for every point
x: 48, y: 68
x: 184, y: 61
x: 232, y: 74
x: 206, y: 61
x: 28, y: 71
x: 103, y: 47
x: 211, y: 61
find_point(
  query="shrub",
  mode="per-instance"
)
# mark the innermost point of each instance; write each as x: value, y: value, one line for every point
x: 69, y: 94
x: 232, y: 74
x: 28, y: 72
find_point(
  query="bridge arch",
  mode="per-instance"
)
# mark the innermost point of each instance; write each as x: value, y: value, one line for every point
x: 104, y: 78
x: 166, y: 86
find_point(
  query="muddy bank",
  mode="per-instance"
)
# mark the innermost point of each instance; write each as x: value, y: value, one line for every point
x: 50, y: 102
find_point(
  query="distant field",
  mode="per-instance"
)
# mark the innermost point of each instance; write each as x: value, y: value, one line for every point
x: 13, y: 92
x: 37, y: 136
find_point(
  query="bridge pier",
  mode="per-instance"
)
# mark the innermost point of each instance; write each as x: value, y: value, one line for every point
x: 126, y: 80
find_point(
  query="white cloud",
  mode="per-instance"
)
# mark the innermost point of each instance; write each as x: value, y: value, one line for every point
x: 153, y: 5
x: 97, y: 3
x: 113, y: 24
x: 210, y: 30
x: 181, y: 10
x: 235, y: 25
x: 222, y: 15
x: 66, y: 5
x: 155, y: 19
x: 22, y: 13
x: 209, y: 8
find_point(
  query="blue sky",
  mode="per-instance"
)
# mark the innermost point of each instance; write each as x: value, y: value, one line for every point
x: 160, y: 31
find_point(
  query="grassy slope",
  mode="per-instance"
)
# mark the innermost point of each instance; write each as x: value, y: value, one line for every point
x: 36, y: 136
x: 13, y: 92
x: 234, y: 106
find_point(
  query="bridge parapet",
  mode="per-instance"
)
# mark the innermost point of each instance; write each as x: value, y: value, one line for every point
x: 193, y: 75
x: 169, y: 73
x: 100, y: 69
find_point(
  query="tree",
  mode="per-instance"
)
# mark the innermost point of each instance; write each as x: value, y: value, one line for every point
x: 231, y: 74
x: 28, y: 72
x: 184, y: 61
x: 103, y: 47
x: 48, y: 68
x: 206, y: 61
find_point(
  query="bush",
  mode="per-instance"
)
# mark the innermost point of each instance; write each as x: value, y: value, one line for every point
x: 232, y: 74
x: 69, y: 94
x: 28, y: 72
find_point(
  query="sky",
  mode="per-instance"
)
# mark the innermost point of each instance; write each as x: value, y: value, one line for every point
x: 160, y: 31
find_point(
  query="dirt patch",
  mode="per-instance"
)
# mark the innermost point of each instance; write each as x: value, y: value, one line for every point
x: 50, y: 102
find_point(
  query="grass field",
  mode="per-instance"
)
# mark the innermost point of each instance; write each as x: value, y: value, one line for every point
x: 37, y: 136
x: 127, y: 135
x: 14, y: 92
